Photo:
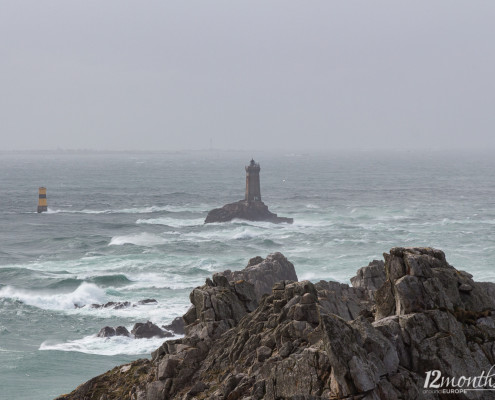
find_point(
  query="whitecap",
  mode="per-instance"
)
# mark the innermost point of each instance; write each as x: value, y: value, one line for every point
x: 246, y: 234
x: 110, y: 346
x: 134, y: 210
x: 172, y: 222
x: 86, y: 293
x: 305, y: 223
x: 171, y: 281
x: 140, y: 239
x: 52, y: 211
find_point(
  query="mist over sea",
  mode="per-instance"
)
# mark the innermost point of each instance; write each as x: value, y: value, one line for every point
x: 127, y: 227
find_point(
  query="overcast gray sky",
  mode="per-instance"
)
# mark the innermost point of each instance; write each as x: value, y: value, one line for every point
x: 291, y: 75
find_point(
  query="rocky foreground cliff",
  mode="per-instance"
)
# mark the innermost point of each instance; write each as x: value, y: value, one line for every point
x: 407, y: 322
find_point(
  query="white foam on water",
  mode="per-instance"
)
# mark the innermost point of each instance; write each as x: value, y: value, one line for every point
x: 350, y: 240
x: 160, y: 281
x: 389, y: 218
x: 134, y: 210
x: 238, y: 229
x: 307, y: 223
x: 206, y: 236
x: 86, y: 293
x: 110, y: 346
x: 159, y: 313
x: 141, y: 239
x: 208, y: 264
x: 246, y: 234
x: 52, y: 211
x: 258, y: 224
x: 172, y: 222
x: 86, y: 265
x: 306, y: 276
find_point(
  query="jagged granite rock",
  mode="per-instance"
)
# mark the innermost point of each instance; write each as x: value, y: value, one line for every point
x: 420, y: 279
x: 292, y: 344
x: 345, y: 301
x: 371, y: 277
x: 218, y: 306
x: 176, y: 326
x: 249, y: 210
x: 263, y: 274
x: 122, y: 382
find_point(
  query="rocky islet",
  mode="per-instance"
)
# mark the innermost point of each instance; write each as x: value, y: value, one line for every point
x: 248, y: 210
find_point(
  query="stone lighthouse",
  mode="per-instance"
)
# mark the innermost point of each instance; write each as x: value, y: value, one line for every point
x: 253, y: 192
x: 251, y: 207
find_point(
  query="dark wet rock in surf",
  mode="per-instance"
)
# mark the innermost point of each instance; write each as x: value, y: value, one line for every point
x: 109, y: 331
x: 117, y: 305
x: 122, y: 331
x: 106, y: 331
x: 148, y: 330
x: 147, y: 301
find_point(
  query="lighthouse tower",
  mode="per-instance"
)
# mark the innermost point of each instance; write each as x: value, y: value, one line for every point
x: 253, y: 192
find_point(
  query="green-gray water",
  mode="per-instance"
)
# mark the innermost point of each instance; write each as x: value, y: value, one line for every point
x: 126, y: 227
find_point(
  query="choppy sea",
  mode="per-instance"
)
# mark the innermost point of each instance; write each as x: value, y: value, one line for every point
x: 127, y: 227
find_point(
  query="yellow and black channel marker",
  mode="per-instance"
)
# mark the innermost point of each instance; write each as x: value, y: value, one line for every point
x: 42, y: 200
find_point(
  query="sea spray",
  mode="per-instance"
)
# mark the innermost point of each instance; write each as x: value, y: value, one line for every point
x: 109, y: 346
x: 86, y: 293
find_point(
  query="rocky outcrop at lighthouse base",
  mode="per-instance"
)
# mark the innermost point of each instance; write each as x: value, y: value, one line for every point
x: 249, y: 210
x: 325, y: 340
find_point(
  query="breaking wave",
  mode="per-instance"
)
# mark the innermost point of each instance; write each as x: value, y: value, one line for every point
x: 110, y: 346
x: 141, y: 239
x: 86, y: 293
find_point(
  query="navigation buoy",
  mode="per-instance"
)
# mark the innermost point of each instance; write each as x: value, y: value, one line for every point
x: 42, y: 200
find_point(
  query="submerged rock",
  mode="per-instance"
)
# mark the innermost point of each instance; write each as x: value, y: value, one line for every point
x: 147, y: 301
x: 249, y: 210
x: 117, y: 305
x: 322, y: 341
